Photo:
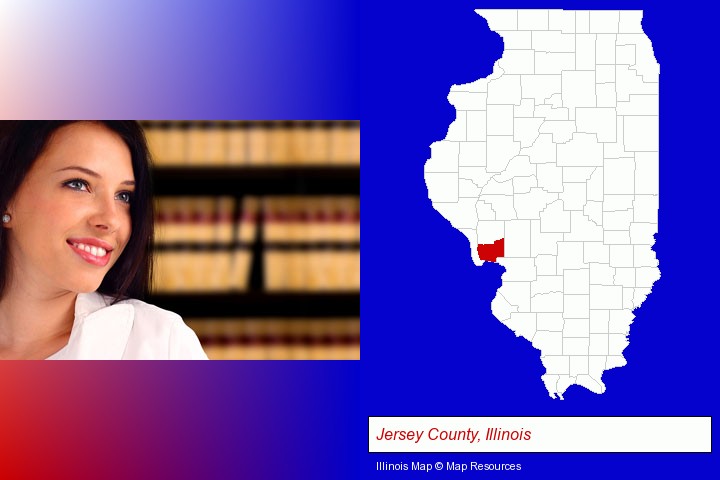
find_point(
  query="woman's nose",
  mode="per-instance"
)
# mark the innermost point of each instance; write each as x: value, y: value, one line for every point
x: 106, y: 214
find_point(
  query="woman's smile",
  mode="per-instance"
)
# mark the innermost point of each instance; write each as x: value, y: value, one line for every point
x: 92, y: 250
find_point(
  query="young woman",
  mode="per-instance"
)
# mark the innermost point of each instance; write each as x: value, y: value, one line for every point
x: 75, y: 246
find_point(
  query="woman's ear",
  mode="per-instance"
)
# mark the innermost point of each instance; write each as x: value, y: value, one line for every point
x: 7, y: 216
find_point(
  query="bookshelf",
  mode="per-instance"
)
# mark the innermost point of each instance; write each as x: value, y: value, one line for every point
x: 267, y: 216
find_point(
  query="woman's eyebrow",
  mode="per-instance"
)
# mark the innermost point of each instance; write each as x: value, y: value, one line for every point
x: 92, y: 173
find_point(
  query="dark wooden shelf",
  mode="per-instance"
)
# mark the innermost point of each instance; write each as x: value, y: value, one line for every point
x: 282, y: 305
x: 251, y: 180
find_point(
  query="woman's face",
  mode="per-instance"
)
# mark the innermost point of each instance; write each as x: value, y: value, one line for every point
x: 71, y: 215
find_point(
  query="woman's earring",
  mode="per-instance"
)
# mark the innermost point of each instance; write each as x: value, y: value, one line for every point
x: 6, y: 218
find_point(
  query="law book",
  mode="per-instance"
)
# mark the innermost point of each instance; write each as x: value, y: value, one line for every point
x: 237, y: 144
x: 298, y: 147
x: 274, y: 215
x: 318, y: 143
x: 210, y: 334
x: 258, y: 143
x: 175, y: 152
x: 280, y: 137
x: 202, y: 221
x: 167, y: 274
x: 353, y: 143
x: 248, y: 218
x: 210, y: 270
x: 345, y: 143
x: 163, y: 231
x: 206, y: 143
x: 223, y: 221
x: 156, y: 137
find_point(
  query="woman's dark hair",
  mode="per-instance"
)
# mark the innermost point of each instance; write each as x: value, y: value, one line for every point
x: 21, y: 142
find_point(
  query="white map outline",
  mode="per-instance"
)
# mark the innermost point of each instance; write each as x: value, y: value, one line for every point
x: 557, y: 152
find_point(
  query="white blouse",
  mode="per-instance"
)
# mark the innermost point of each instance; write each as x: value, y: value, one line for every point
x: 128, y: 330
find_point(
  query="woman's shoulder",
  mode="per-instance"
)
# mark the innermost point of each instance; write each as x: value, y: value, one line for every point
x: 156, y: 328
x: 152, y: 313
x: 148, y: 315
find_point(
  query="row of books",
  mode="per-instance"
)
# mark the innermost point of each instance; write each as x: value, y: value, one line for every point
x: 245, y: 143
x: 279, y: 339
x: 320, y: 270
x: 282, y: 219
x: 302, y: 244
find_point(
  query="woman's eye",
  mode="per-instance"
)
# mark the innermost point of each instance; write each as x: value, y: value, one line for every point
x: 125, y: 197
x: 80, y: 185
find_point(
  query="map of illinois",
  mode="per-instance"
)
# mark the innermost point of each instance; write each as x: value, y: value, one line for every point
x: 551, y: 169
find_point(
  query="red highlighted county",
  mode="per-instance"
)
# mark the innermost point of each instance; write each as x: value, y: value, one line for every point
x: 492, y: 251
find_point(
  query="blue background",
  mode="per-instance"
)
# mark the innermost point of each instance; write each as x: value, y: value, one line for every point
x: 430, y: 345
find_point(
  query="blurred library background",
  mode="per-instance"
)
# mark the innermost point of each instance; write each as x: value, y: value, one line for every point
x: 257, y: 240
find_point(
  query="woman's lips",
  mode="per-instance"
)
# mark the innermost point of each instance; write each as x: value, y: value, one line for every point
x: 91, y: 253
